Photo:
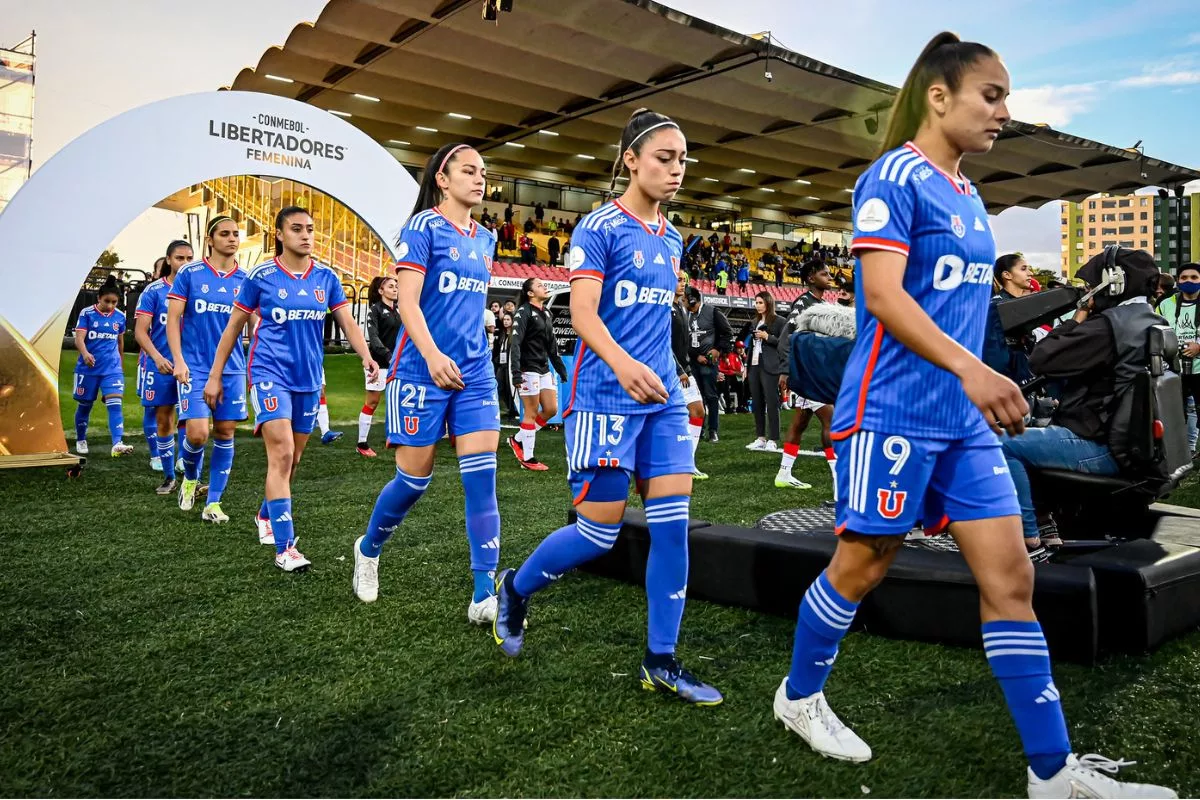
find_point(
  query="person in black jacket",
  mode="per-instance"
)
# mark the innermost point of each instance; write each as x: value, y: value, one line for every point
x: 383, y: 325
x: 691, y: 389
x: 534, y: 349
x: 1086, y: 351
x: 501, y: 351
x: 711, y: 338
x: 763, y: 368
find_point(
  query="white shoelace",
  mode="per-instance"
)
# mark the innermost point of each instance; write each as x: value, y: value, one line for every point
x: 821, y: 710
x: 370, y: 572
x: 1095, y: 761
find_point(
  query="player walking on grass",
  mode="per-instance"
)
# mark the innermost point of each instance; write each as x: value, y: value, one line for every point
x: 680, y: 331
x: 441, y: 376
x: 99, y: 333
x: 626, y: 413
x: 201, y: 302
x: 156, y: 381
x: 534, y: 350
x: 383, y: 326
x: 917, y: 420
x: 291, y: 294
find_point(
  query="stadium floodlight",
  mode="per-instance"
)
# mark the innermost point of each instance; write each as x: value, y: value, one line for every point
x: 766, y: 189
x: 549, y: 133
x: 398, y: 141
x: 366, y: 97
x: 427, y: 129
x: 280, y: 79
x: 801, y: 180
x: 457, y: 115
x: 810, y: 197
x: 585, y: 156
x: 744, y: 169
x: 713, y: 180
x: 513, y: 144
x: 691, y: 160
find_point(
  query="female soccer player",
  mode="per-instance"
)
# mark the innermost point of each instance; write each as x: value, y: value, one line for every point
x: 291, y: 294
x: 156, y: 381
x: 626, y: 413
x: 918, y: 415
x: 383, y: 326
x: 534, y: 349
x: 441, y: 376
x: 98, y: 338
x: 201, y: 302
x: 680, y: 333
x: 149, y: 419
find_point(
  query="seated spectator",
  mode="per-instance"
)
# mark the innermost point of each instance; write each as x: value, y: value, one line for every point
x: 529, y: 226
x: 1086, y: 352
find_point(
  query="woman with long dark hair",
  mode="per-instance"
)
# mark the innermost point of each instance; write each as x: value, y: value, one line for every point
x: 441, y: 379
x: 534, y: 349
x: 916, y: 422
x: 626, y: 412
x: 383, y: 326
x: 99, y: 333
x: 761, y: 336
x: 501, y: 358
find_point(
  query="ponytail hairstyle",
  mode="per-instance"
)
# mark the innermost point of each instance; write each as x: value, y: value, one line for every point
x: 945, y: 59
x: 430, y: 194
x: 178, y: 243
x: 634, y: 136
x: 375, y: 290
x: 1004, y: 264
x: 526, y: 288
x: 110, y: 286
x: 161, y: 268
x: 212, y: 226
x: 281, y: 219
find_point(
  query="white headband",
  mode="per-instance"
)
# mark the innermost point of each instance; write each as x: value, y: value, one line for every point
x: 652, y: 127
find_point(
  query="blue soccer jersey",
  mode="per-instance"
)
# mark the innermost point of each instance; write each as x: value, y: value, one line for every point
x: 153, y: 304
x: 208, y: 298
x: 905, y: 204
x: 104, y: 332
x: 457, y: 266
x: 288, y: 345
x: 637, y: 266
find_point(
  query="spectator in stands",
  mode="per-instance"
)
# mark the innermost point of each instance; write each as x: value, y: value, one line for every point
x: 1182, y: 311
x: 726, y: 242
x: 500, y: 363
x: 553, y: 247
x: 732, y: 367
x: 720, y: 265
x: 763, y: 369
x: 508, y: 213
x: 722, y: 281
x: 484, y: 218
x: 528, y: 251
x: 711, y: 337
x: 1166, y: 288
x: 846, y: 293
x: 529, y: 226
x: 539, y: 211
x: 510, y: 308
x: 743, y: 278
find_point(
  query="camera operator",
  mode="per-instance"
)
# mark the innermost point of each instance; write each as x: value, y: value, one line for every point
x: 1105, y: 338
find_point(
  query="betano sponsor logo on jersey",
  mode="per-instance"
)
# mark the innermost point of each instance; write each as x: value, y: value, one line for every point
x: 627, y: 293
x: 449, y: 282
x: 282, y: 315
x: 202, y: 306
x: 103, y: 335
x: 950, y: 272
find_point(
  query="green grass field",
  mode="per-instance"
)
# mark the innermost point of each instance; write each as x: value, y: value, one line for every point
x: 144, y: 653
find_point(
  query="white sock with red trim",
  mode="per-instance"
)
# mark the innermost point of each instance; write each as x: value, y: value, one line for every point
x: 323, y: 417
x: 831, y: 458
x: 695, y: 425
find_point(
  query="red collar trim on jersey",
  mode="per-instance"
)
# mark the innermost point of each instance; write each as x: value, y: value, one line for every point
x: 218, y: 272
x: 290, y: 274
x: 461, y: 232
x: 960, y: 184
x: 662, y: 226
x: 96, y: 308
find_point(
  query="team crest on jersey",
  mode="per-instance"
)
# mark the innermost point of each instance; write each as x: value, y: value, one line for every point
x: 204, y: 288
x: 183, y: 404
x: 79, y: 391
x: 319, y: 294
x: 891, y: 503
x: 454, y: 254
x: 639, y: 260
x: 282, y: 294
x: 956, y: 225
x: 412, y: 425
x: 271, y: 404
x: 487, y: 262
x: 236, y: 289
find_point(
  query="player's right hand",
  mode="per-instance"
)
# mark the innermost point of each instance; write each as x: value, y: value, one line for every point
x: 90, y: 360
x: 164, y: 365
x: 445, y: 372
x: 999, y: 399
x: 641, y: 383
x: 182, y: 373
x: 213, y: 391
x: 684, y: 380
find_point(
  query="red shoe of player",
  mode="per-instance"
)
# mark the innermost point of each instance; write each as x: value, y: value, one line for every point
x: 535, y: 465
x: 517, y: 449
x: 365, y: 451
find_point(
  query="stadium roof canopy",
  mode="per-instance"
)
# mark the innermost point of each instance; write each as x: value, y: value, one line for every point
x: 545, y: 93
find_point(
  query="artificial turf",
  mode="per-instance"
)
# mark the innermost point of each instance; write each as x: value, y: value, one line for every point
x: 144, y: 653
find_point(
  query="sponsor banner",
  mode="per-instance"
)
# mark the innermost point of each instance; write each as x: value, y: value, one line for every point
x: 515, y: 284
x: 130, y: 163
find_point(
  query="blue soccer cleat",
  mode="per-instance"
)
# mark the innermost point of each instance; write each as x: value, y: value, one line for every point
x: 508, y: 629
x: 329, y: 437
x: 674, y: 679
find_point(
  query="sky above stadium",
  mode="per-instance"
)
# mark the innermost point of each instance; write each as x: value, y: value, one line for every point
x: 1117, y: 71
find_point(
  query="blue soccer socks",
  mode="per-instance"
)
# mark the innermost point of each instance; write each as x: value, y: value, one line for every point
x: 824, y: 618
x: 281, y: 522
x: 116, y: 419
x: 219, y: 469
x: 563, y: 551
x: 395, y: 500
x: 82, y: 412
x: 666, y: 570
x: 478, y: 472
x: 193, y: 457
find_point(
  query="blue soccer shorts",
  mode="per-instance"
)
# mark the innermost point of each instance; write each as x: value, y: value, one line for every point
x: 154, y: 388
x: 88, y: 386
x: 419, y: 414
x: 232, y: 405
x: 272, y: 402
x: 887, y: 483
x: 646, y: 445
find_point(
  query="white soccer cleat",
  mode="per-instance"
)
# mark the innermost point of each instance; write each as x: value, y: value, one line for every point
x: 757, y: 444
x: 771, y: 447
x: 785, y: 480
x: 483, y: 612
x: 187, y: 494
x: 292, y: 560
x: 121, y: 449
x: 81, y: 447
x: 213, y: 513
x: 1082, y: 777
x: 814, y: 721
x: 156, y: 464
x: 266, y: 535
x: 366, y: 574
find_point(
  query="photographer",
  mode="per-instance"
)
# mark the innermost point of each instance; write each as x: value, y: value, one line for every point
x: 1104, y: 339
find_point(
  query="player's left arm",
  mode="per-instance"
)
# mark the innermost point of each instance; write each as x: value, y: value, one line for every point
x: 214, y: 389
x: 354, y: 334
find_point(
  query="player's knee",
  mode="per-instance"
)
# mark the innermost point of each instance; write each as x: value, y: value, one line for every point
x: 1008, y: 588
x: 549, y: 410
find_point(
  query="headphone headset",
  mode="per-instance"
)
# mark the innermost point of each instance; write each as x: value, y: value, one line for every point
x: 1112, y: 277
